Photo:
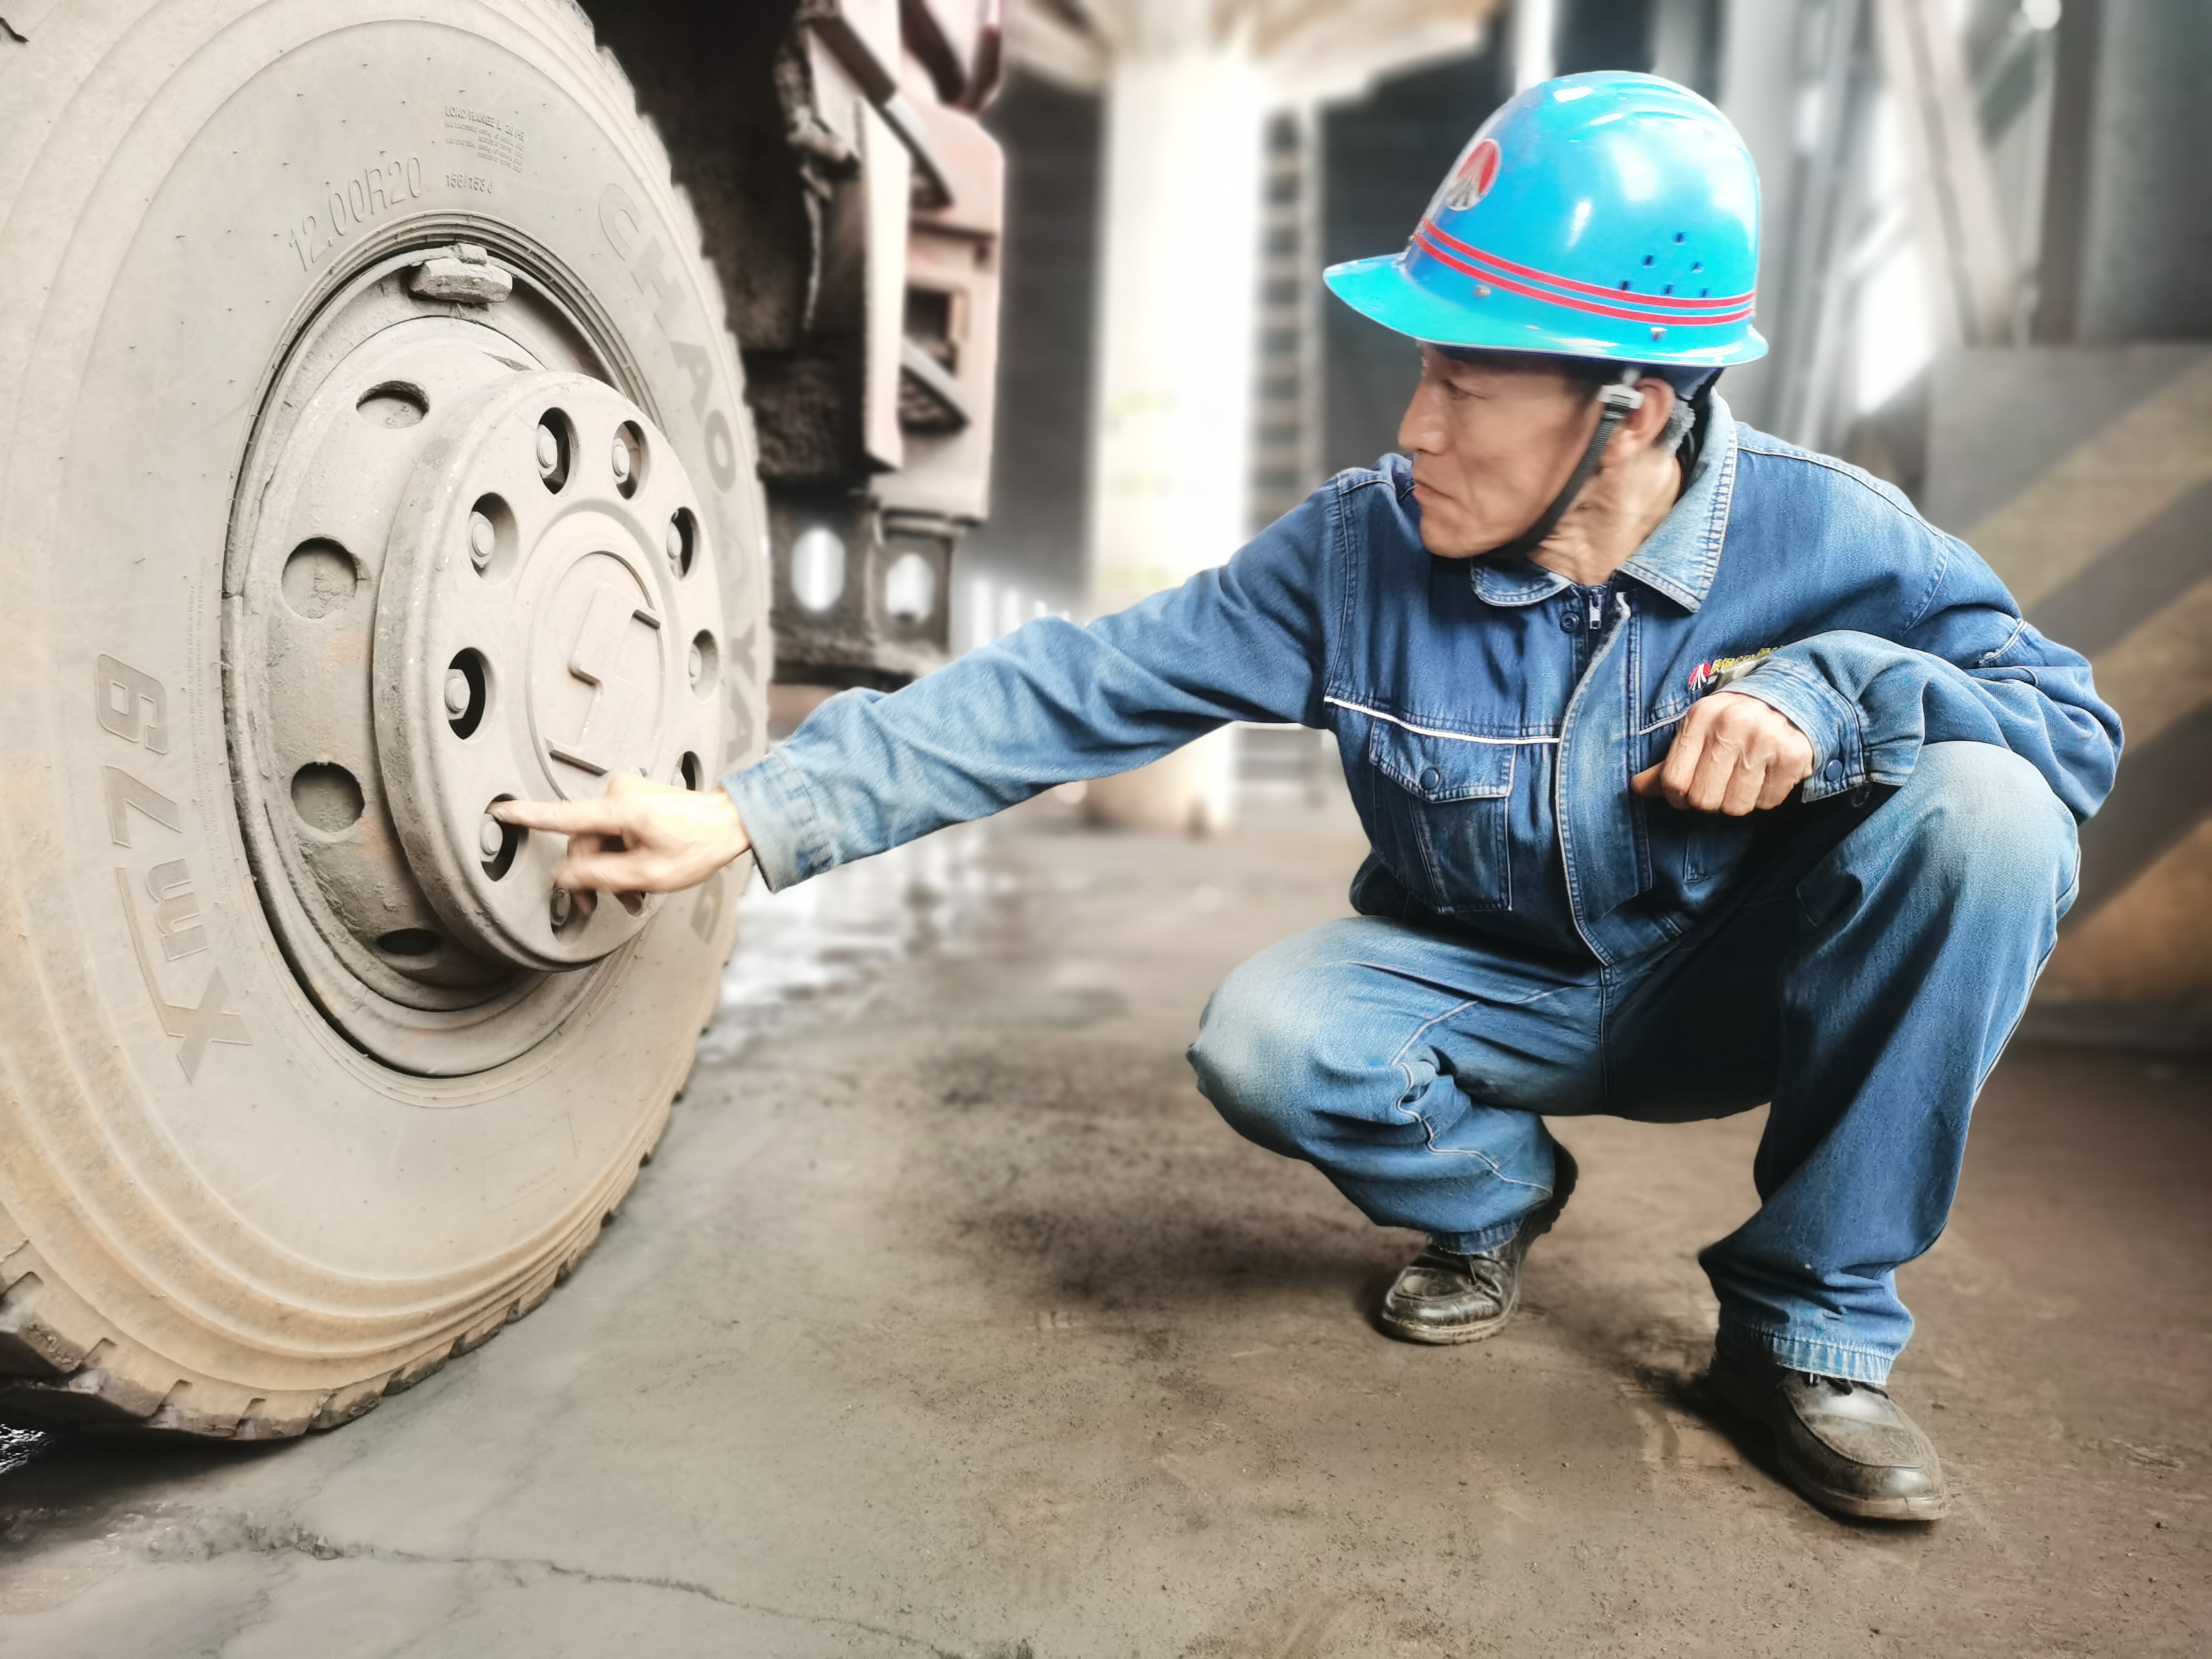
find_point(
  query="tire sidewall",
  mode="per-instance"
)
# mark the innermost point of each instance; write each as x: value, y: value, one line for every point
x: 249, y: 156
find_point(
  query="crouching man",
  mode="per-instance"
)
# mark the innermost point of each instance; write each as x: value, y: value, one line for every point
x: 1699, y: 772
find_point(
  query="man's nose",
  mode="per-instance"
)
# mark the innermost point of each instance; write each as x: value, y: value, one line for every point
x: 1419, y: 432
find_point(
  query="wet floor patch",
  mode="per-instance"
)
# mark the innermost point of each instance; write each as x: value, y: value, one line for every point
x: 825, y: 947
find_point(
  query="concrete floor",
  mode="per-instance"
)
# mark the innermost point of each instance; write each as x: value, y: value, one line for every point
x: 950, y: 1321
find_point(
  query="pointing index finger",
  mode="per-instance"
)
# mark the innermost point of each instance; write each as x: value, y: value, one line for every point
x: 566, y: 817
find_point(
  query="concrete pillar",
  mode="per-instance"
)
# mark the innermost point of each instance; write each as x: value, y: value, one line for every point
x: 1184, y: 130
x: 2145, y: 248
x: 1761, y: 91
x: 1534, y: 43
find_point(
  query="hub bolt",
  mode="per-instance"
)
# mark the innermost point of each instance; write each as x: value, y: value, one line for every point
x: 562, y: 907
x: 621, y: 459
x: 674, y: 543
x: 549, y: 451
x: 482, y: 539
x: 492, y: 836
x: 457, y: 693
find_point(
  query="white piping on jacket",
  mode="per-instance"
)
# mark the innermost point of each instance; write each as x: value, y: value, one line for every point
x: 1430, y: 731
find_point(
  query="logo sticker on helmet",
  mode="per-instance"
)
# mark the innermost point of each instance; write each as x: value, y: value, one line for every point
x: 1477, y: 171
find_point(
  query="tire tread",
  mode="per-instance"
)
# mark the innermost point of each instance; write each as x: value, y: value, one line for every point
x: 61, y: 1367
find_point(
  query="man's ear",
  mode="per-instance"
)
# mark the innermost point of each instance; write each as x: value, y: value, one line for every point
x: 1648, y: 419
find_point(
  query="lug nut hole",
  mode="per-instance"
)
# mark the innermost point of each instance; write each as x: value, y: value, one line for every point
x: 626, y: 457
x: 410, y: 942
x: 499, y: 843
x: 683, y: 541
x: 467, y: 690
x: 706, y: 663
x: 320, y: 577
x: 556, y: 445
x: 327, y: 797
x: 395, y: 403
x: 690, y: 773
x: 491, y: 536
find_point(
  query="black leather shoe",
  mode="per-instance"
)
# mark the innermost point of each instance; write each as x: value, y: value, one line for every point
x: 1445, y: 1296
x: 1847, y: 1446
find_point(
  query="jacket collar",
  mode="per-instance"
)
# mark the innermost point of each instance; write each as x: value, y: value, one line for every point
x: 1678, y: 559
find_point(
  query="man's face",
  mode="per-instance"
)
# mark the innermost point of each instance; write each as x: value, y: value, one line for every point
x: 1491, y: 442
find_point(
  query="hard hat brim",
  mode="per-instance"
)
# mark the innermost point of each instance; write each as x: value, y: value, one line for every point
x: 1381, y: 290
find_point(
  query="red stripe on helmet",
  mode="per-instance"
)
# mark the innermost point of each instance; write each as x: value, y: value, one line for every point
x: 1664, y: 301
x: 1667, y: 319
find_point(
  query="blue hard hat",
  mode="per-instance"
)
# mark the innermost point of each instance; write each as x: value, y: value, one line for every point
x: 1607, y: 214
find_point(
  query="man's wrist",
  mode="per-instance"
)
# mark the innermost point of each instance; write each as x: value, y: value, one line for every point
x: 1808, y: 702
x: 788, y: 838
x: 735, y: 842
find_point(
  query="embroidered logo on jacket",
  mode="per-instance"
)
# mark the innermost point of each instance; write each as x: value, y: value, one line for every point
x: 1725, y: 670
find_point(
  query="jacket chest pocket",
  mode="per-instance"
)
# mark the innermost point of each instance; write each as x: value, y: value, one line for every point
x: 1440, y: 817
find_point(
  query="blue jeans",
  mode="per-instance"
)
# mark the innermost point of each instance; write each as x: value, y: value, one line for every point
x: 1863, y: 978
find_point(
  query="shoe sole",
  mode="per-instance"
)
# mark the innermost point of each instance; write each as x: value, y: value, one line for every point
x: 1452, y: 1336
x: 1902, y: 1509
x: 1565, y: 1173
x: 1740, y: 1402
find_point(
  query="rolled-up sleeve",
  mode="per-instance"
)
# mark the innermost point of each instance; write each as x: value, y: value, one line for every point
x: 1965, y: 668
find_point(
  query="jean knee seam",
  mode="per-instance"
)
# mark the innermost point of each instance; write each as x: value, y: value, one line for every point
x: 1398, y: 971
x: 1398, y: 1058
x: 1428, y: 1133
x: 1428, y: 1128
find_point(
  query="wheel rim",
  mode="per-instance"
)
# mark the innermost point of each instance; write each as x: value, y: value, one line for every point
x: 466, y: 568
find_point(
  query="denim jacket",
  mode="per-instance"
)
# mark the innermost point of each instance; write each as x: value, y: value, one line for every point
x: 1488, y: 730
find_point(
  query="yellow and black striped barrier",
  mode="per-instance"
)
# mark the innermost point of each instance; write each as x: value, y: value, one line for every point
x: 2084, y: 477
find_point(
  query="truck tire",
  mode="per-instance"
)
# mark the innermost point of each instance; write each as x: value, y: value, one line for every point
x: 372, y: 448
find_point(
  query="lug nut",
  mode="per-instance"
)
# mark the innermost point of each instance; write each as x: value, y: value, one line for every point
x: 675, y: 542
x: 457, y: 693
x: 562, y: 907
x: 621, y: 459
x: 698, y: 663
x: 482, y: 539
x: 492, y: 836
x: 548, y: 450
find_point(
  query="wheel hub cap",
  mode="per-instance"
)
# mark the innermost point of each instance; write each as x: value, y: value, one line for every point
x: 466, y: 571
x: 542, y: 625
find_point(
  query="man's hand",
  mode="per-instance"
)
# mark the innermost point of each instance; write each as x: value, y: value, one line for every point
x: 639, y: 838
x: 1732, y: 754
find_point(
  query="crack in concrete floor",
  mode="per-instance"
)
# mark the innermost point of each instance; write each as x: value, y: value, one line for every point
x: 206, y: 1535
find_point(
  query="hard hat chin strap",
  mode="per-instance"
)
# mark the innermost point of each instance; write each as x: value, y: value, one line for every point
x: 1622, y: 399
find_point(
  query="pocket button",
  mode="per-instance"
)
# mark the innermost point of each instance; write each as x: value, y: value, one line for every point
x: 1431, y: 781
x: 1835, y: 771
